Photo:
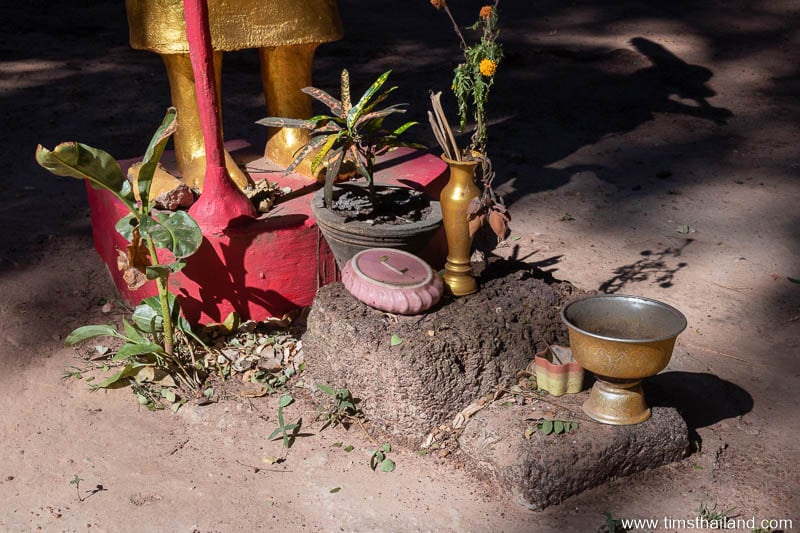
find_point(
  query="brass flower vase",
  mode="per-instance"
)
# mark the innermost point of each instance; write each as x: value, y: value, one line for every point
x: 455, y: 198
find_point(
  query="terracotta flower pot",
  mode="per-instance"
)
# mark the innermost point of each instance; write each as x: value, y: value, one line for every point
x: 557, y: 372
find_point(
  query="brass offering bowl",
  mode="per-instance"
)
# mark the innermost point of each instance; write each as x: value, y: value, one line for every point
x: 621, y: 340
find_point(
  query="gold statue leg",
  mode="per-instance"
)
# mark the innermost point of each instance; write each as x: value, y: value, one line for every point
x: 189, y: 145
x: 284, y: 71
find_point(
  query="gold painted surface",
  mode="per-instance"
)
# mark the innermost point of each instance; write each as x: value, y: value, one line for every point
x: 620, y: 360
x: 158, y: 25
x: 189, y: 144
x: 455, y: 197
x: 163, y: 181
x: 619, y: 404
x: 284, y: 71
x: 287, y: 33
x: 617, y: 396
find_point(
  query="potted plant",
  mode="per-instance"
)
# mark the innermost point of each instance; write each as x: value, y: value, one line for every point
x: 465, y: 207
x: 347, y: 142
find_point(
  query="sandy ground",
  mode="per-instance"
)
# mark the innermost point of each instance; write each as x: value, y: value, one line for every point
x: 641, y: 147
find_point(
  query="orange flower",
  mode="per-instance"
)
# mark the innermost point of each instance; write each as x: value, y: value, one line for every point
x: 438, y: 4
x: 487, y: 67
x: 486, y: 12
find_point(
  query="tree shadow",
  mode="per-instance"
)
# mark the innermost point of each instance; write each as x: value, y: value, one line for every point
x: 498, y: 267
x: 651, y: 265
x: 583, y: 96
x: 681, y: 79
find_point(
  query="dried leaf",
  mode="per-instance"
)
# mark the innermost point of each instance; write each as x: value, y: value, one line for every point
x: 475, y: 224
x: 144, y: 374
x: 252, y: 392
x: 133, y: 277
x: 473, y: 208
x: 133, y: 261
x: 499, y: 223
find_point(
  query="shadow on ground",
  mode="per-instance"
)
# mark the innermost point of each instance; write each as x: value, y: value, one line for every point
x: 702, y: 399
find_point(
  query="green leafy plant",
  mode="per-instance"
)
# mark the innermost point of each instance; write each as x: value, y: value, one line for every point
x: 549, y: 427
x: 285, y: 431
x: 273, y: 381
x: 339, y: 409
x: 379, y: 458
x: 351, y: 133
x: 611, y: 525
x: 472, y: 81
x: 149, y: 339
x: 77, y: 482
x: 711, y: 514
x: 473, y: 78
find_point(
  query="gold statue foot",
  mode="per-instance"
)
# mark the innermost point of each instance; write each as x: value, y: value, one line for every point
x: 163, y: 181
x: 282, y: 149
x: 194, y: 174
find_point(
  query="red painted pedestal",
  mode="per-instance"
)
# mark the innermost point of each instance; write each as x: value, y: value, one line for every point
x: 268, y: 266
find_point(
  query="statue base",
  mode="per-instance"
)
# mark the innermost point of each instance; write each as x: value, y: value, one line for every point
x: 265, y: 267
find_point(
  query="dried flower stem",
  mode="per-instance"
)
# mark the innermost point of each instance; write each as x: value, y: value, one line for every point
x: 455, y: 27
x: 441, y: 128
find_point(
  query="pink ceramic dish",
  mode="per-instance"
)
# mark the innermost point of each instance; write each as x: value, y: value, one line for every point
x: 392, y: 280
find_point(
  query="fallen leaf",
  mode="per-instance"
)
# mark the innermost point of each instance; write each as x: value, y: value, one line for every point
x: 395, y: 340
x: 683, y: 229
x: 252, y: 392
x: 334, y: 490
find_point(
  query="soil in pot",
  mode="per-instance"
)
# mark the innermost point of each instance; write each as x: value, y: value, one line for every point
x: 402, y: 218
x: 393, y: 205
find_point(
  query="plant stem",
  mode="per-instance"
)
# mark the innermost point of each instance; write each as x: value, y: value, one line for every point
x: 455, y: 27
x: 371, y: 183
x: 163, y: 291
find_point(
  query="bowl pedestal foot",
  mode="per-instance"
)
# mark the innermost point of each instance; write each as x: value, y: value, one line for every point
x: 617, y: 402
